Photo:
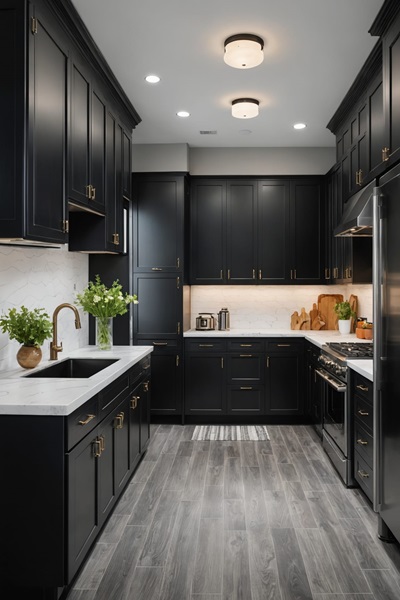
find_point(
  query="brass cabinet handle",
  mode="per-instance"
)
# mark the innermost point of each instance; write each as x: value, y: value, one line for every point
x: 295, y: 274
x: 177, y: 360
x: 357, y: 183
x: 385, y: 154
x: 291, y: 273
x: 246, y: 387
x: 363, y: 388
x: 245, y: 355
x: 283, y: 345
x: 360, y: 177
x: 178, y: 328
x: 254, y: 273
x: 96, y: 448
x: 146, y: 386
x: 363, y: 474
x: 178, y: 262
x: 267, y: 362
x: 115, y: 239
x: 327, y: 273
x: 229, y: 273
x: 363, y: 413
x: 259, y: 274
x: 221, y: 275
x: 119, y: 421
x: 178, y: 283
x: 65, y: 226
x: 102, y: 441
x: 87, y: 420
x: 206, y: 345
x: 160, y: 343
x: 246, y: 345
x: 222, y: 362
x: 93, y: 193
x: 134, y: 402
x: 89, y: 191
x: 362, y: 442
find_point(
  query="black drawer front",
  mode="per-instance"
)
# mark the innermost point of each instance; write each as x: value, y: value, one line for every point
x: 160, y: 345
x: 283, y: 345
x: 363, y: 474
x: 363, y: 387
x: 245, y: 367
x: 245, y: 400
x: 206, y: 345
x: 82, y: 421
x: 246, y: 345
x: 363, y: 442
x: 113, y: 394
x: 363, y: 411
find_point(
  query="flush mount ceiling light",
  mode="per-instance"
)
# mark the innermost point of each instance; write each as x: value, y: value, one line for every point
x: 245, y: 108
x: 152, y: 78
x: 299, y: 126
x: 243, y: 51
x: 183, y: 113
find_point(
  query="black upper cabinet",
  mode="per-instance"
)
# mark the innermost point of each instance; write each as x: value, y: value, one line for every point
x: 273, y: 231
x: 159, y: 312
x: 208, y: 231
x: 241, y: 233
x: 391, y: 77
x: 33, y: 150
x: 376, y: 130
x: 257, y: 231
x: 126, y: 165
x: 306, y: 234
x: 87, y: 142
x: 159, y: 222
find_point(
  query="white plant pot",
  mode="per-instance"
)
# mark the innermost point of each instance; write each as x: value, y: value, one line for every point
x: 344, y: 326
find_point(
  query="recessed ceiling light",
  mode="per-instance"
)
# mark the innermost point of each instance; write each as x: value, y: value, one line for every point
x: 152, y: 79
x: 183, y: 113
x: 299, y: 126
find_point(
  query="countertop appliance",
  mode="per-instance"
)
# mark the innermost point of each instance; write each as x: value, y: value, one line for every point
x: 386, y: 278
x: 205, y: 321
x: 336, y: 409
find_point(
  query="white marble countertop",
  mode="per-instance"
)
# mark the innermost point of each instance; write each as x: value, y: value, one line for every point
x: 319, y: 338
x: 20, y: 395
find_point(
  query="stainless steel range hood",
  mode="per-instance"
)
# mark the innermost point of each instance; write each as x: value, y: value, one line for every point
x: 357, y: 218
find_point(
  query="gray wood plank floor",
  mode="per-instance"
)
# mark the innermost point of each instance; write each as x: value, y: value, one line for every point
x: 239, y: 521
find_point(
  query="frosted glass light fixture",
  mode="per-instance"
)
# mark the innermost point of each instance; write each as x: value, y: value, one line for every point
x: 245, y: 108
x: 243, y: 51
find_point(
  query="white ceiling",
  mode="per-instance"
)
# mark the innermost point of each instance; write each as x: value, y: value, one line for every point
x: 313, y: 51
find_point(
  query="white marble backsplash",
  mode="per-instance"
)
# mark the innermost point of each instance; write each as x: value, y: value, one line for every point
x: 42, y: 278
x: 269, y: 307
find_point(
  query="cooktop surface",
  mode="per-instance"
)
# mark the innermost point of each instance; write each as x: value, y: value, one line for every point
x: 352, y: 349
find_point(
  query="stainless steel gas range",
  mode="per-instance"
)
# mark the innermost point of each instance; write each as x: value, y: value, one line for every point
x: 336, y: 409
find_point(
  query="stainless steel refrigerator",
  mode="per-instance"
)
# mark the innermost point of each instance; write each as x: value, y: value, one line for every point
x: 386, y: 251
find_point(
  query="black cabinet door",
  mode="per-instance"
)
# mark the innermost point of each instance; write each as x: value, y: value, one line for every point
x: 245, y: 400
x: 391, y: 77
x: 159, y: 311
x: 241, y: 231
x: 126, y: 166
x: 159, y: 224
x: 97, y: 152
x: 121, y: 445
x: 273, y: 231
x: 245, y: 368
x: 134, y: 426
x: 376, y: 128
x: 205, y: 388
x: 166, y: 380
x: 307, y: 248
x: 48, y: 70
x: 79, y: 138
x: 284, y: 383
x: 145, y: 402
x: 83, y: 515
x: 208, y: 232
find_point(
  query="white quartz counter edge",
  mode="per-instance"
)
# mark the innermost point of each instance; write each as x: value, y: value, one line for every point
x: 319, y: 338
x: 60, y: 396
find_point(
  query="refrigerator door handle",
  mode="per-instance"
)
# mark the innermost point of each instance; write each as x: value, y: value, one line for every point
x: 377, y: 278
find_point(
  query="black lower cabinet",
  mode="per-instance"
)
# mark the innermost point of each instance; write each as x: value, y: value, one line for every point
x: 362, y: 400
x: 63, y: 485
x: 167, y: 379
x: 205, y: 388
x: 313, y: 387
x: 244, y: 379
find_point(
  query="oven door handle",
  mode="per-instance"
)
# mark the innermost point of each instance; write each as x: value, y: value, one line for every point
x: 338, y: 387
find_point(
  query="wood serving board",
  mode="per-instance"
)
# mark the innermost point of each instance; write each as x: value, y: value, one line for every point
x: 326, y: 303
x: 353, y: 301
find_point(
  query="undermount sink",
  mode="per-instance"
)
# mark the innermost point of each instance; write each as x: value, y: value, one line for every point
x: 75, y: 368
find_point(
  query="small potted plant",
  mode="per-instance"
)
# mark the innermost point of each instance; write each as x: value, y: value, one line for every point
x: 345, y: 314
x: 104, y: 303
x: 30, y: 328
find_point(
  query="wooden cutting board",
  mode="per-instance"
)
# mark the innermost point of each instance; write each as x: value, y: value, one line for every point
x: 353, y: 300
x: 326, y: 303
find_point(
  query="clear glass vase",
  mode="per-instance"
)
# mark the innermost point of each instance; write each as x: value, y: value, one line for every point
x: 104, y: 333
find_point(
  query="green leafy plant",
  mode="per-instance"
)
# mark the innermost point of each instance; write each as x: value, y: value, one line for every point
x: 28, y: 327
x: 343, y: 310
x: 101, y: 301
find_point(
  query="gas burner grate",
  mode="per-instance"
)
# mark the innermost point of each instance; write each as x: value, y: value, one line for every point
x: 352, y: 349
